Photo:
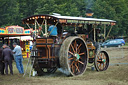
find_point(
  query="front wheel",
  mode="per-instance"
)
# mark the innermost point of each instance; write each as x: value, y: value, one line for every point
x: 101, y: 61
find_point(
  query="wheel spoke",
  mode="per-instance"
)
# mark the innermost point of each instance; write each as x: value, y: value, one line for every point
x: 100, y: 66
x: 104, y: 57
x: 103, y: 65
x: 80, y: 62
x: 71, y: 53
x: 81, y: 53
x: 73, y: 69
x: 77, y: 67
x: 98, y: 60
x: 75, y: 44
x: 73, y: 48
x: 79, y: 46
x: 70, y: 58
x: 72, y: 63
x: 78, y: 50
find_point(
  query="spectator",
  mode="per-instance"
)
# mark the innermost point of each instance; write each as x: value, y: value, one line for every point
x: 1, y: 62
x: 8, y: 57
x: 18, y: 58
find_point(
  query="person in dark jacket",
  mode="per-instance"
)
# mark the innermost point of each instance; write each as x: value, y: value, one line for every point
x: 1, y: 62
x: 8, y: 57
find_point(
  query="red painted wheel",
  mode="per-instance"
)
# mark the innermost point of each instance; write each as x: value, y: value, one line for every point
x: 101, y: 61
x: 73, y: 56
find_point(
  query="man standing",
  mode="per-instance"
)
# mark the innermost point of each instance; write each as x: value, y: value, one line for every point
x: 18, y: 58
x: 8, y: 57
x: 1, y: 62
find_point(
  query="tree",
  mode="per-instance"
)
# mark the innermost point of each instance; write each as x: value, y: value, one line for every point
x: 12, y: 11
x: 8, y: 12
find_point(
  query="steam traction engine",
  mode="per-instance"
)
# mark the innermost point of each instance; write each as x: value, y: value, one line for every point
x: 71, y: 52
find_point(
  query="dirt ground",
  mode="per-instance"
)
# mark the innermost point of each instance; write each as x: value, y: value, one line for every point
x: 116, y: 74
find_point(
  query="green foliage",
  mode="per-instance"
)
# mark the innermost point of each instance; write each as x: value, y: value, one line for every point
x: 12, y: 11
x: 116, y: 10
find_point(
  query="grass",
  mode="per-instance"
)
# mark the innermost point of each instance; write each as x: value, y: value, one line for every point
x: 126, y: 44
x: 114, y: 75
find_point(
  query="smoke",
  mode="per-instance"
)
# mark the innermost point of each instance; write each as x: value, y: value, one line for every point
x: 89, y: 4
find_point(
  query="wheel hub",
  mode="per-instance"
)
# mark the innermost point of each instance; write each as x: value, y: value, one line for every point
x: 77, y: 56
x: 101, y: 60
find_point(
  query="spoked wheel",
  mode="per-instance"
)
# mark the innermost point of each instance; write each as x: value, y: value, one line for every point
x: 73, y: 56
x: 101, y: 61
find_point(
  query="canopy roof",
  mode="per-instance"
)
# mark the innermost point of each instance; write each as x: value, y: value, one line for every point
x: 66, y: 20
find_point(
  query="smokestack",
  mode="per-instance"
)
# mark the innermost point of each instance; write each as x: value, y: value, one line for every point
x: 89, y: 13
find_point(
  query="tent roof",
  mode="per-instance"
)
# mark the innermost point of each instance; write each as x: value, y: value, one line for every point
x: 66, y: 20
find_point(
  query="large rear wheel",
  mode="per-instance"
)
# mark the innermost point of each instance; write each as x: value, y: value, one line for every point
x: 73, y: 56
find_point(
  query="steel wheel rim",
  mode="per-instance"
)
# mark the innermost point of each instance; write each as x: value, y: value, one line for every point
x: 102, y: 61
x: 77, y: 57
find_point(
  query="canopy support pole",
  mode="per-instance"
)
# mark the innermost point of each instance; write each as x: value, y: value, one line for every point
x: 28, y: 25
x: 46, y: 28
x: 75, y: 28
x: 62, y: 31
x: 40, y: 25
x: 37, y: 23
x: 94, y: 33
x: 35, y: 29
x: 104, y: 31
x: 109, y: 32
